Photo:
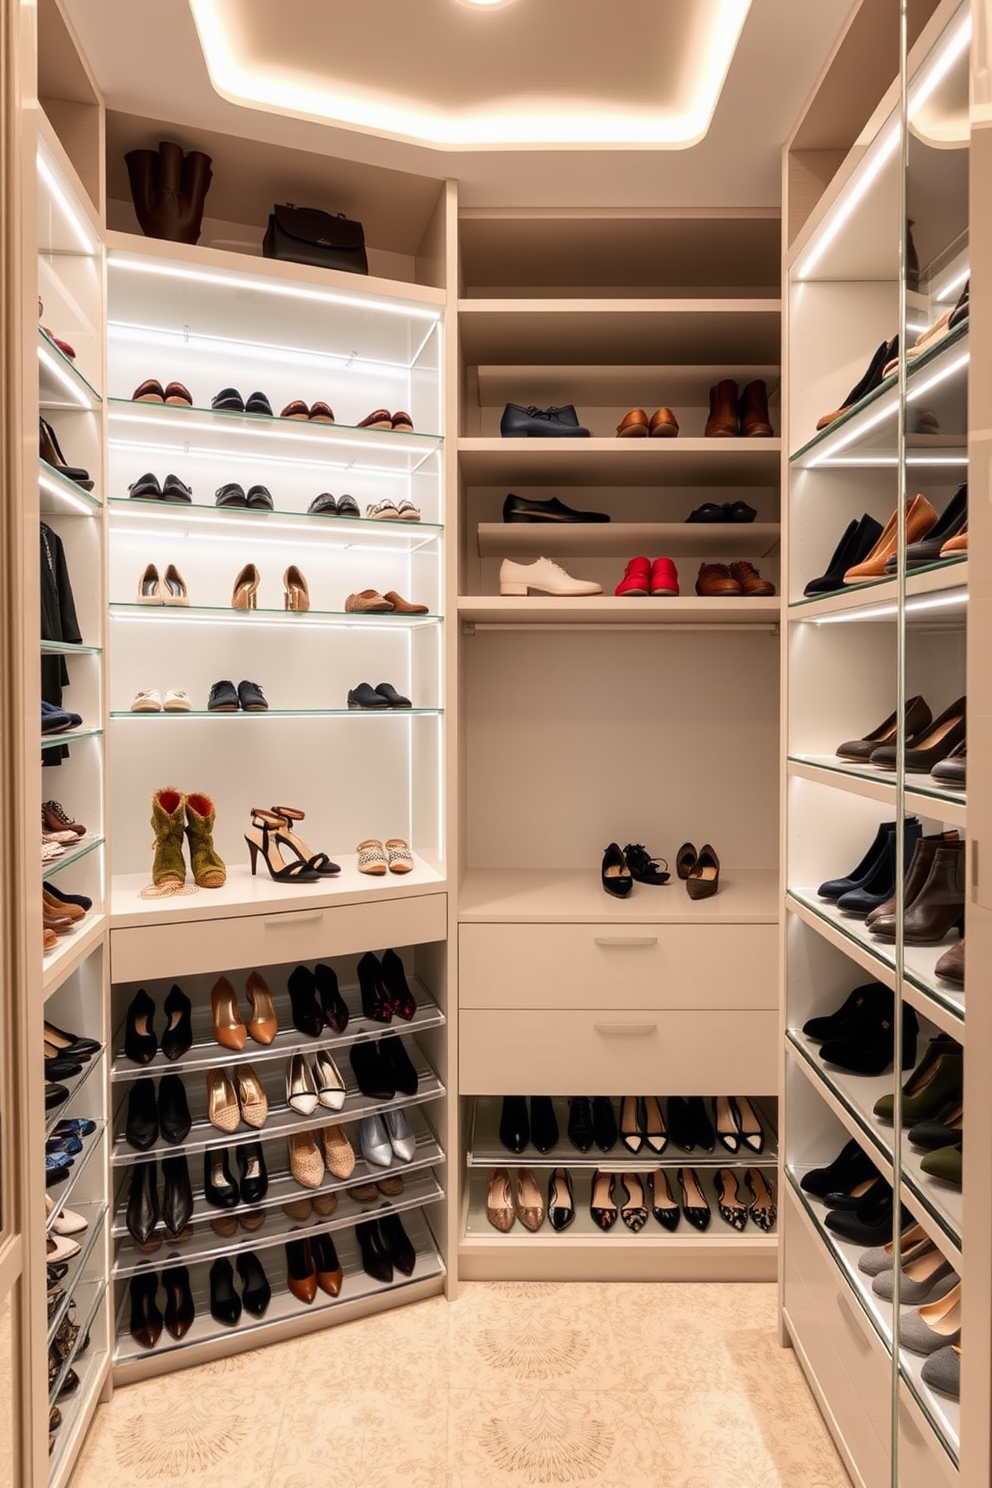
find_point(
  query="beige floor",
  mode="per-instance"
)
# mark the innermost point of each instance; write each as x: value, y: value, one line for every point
x: 666, y: 1386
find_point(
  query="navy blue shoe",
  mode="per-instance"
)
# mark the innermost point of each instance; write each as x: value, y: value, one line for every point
x: 834, y: 887
x: 541, y: 423
x: 881, y: 883
x: 74, y: 1126
x: 70, y: 1144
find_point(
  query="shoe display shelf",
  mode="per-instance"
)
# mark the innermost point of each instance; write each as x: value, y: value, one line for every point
x: 339, y: 937
x: 855, y: 652
x: 212, y: 320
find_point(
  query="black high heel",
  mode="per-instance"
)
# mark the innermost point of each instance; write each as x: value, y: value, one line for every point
x: 302, y: 987
x: 332, y: 1004
x: 140, y: 1042
x: 319, y: 862
x: 225, y: 1304
x: 179, y: 1309
x: 146, y: 1320
x: 177, y: 1037
x: 734, y: 1214
x: 632, y: 1122
x: 266, y: 839
x: 48, y: 449
x: 256, y: 1293
x: 750, y: 1128
x: 394, y: 980
x: 377, y: 1005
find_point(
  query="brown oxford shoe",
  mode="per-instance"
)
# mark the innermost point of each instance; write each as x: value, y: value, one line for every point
x: 715, y: 580
x: 634, y: 425
x: 750, y: 580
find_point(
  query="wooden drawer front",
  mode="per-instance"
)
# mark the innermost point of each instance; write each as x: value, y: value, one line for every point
x: 265, y: 939
x: 846, y: 1356
x: 623, y: 966
x: 923, y: 1463
x: 606, y: 1052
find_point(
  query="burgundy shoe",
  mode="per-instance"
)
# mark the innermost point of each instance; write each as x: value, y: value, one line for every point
x: 636, y: 579
x: 664, y: 577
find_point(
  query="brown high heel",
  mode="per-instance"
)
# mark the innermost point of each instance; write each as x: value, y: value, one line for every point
x: 263, y: 1025
x: 245, y: 595
x: 48, y: 449
x: 297, y: 594
x: 229, y: 1029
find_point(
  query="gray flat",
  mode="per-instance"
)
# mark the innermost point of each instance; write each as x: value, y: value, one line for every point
x: 916, y: 1293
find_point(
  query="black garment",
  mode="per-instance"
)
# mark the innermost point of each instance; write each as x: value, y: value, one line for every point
x: 58, y: 623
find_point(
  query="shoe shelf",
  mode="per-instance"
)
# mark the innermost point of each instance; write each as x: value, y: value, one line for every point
x: 851, y: 1098
x: 69, y: 648
x: 942, y: 1414
x: 209, y: 614
x: 600, y: 386
x: 485, y: 1150
x: 598, y: 332
x: 71, y: 951
x: 74, y: 1085
x: 203, y: 1245
x: 747, y: 896
x: 284, y: 1309
x: 83, y: 847
x: 60, y: 497
x: 94, y: 1213
x: 606, y: 609
x: 282, y: 1120
x: 246, y: 893
x: 624, y: 462
x: 866, y: 434
x: 289, y: 713
x: 77, y: 1412
x: 922, y: 795
x: 71, y: 736
x: 206, y: 1053
x: 65, y: 212
x: 357, y: 534
x: 877, y: 599
x: 61, y: 1193
x: 577, y: 539
x: 941, y: 1002
x: 89, y: 1298
x: 284, y: 1188
x: 61, y: 385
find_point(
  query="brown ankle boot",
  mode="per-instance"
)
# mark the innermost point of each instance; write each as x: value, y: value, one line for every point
x: 722, y: 422
x: 753, y: 411
x: 208, y: 868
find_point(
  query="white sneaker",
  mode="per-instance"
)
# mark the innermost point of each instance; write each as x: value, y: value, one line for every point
x: 543, y: 575
x: 176, y: 701
x: 147, y: 700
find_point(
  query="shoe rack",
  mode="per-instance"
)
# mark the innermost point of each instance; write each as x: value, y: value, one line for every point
x: 855, y: 277
x: 578, y: 715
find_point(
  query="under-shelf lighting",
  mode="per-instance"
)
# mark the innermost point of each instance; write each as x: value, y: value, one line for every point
x: 274, y: 429
x: 62, y: 376
x: 254, y: 351
x: 953, y: 287
x: 75, y: 502
x: 860, y: 426
x: 954, y: 601
x: 942, y: 62
x: 266, y: 527
x: 297, y: 621
x: 861, y: 183
x: 196, y: 452
x: 66, y: 207
x: 266, y: 286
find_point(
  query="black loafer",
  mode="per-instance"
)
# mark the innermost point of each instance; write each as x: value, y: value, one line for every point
x: 324, y: 505
x: 710, y: 511
x: 517, y: 509
x: 229, y: 399
x: 259, y: 498
x: 173, y: 489
x: 366, y: 696
x: 223, y: 698
x: 541, y: 423
x: 615, y: 873
x: 145, y: 488
x: 231, y: 495
x: 258, y: 403
x: 393, y: 698
x: 251, y: 697
x: 738, y: 511
x: 348, y: 507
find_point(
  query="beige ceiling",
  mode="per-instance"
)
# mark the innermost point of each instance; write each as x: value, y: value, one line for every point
x: 147, y: 60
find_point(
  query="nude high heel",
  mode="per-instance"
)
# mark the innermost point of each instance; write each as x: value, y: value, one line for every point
x: 297, y: 594
x: 245, y: 595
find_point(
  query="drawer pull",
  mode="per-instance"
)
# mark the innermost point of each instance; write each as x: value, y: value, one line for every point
x: 625, y: 940
x: 629, y: 1028
x: 293, y: 917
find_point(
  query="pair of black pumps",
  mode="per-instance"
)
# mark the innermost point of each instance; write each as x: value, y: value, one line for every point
x: 859, y: 1036
x: 622, y: 867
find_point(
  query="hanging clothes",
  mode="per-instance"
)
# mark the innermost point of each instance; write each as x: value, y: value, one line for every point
x: 58, y: 623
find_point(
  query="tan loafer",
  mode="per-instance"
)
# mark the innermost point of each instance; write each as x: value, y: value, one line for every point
x: 339, y: 1154
x: 403, y: 606
x: 368, y: 602
x: 634, y: 425
x: 664, y: 424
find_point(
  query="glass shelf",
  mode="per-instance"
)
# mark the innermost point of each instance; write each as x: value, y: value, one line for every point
x: 203, y: 614
x: 290, y: 713
x: 878, y: 590
x: 59, y: 497
x: 72, y: 854
x: 349, y: 532
x: 94, y: 1213
x: 49, y: 741
x: 61, y: 1193
x: 61, y: 385
x: 73, y: 1084
x: 89, y: 1298
x: 70, y: 648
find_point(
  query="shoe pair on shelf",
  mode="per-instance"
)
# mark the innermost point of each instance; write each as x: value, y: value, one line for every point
x: 170, y: 589
x: 315, y: 413
x: 732, y: 580
x: 622, y: 866
x: 312, y: 1264
x: 390, y: 510
x: 58, y: 720
x: 859, y: 1036
x: 636, y: 425
x: 377, y: 857
x: 873, y: 377
x: 256, y: 498
x: 326, y: 505
x: 236, y: 1097
x: 150, y: 1113
x: 224, y: 697
x: 929, y: 742
x: 384, y: 1137
x: 147, y: 1320
x: 150, y: 700
x: 229, y: 400
x: 385, y: 991
x: 712, y: 512
x: 543, y: 576
x: 307, y: 1164
x: 383, y: 1068
x: 934, y: 887
x: 230, y: 1029
x: 271, y: 832
x: 61, y: 912
x: 541, y: 423
x: 859, y: 1199
x: 646, y: 576
x: 307, y: 1086
x: 371, y: 602
x: 934, y: 1087
x: 296, y: 594
x: 222, y: 1191
x: 178, y: 818
x: 153, y: 391
x: 381, y: 418
x: 736, y: 413
x: 881, y: 561
x: 50, y: 452
x: 383, y: 696
x: 141, y: 1043
x: 700, y: 870
x: 316, y: 1000
x: 385, y: 1247
x: 517, y: 1128
x: 144, y: 1212
x: 509, y: 1199
x: 147, y: 488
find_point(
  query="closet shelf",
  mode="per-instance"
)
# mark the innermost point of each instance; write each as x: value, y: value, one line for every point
x: 940, y: 1001
x: 72, y: 950
x: 351, y: 533
x: 578, y: 539
x: 747, y: 896
x: 71, y: 736
x: 176, y: 422
x: 74, y: 1084
x: 923, y: 795
x: 60, y: 497
x: 607, y: 609
x: 69, y: 648
x: 205, y: 1246
x: 62, y: 1192
x: 72, y: 854
x: 290, y: 713
x: 878, y: 599
x: 283, y: 1187
x: 78, y: 1409
x: 627, y: 462
x: 632, y: 386
x: 851, y: 1098
x: 206, y: 1335
x: 943, y: 1414
x: 212, y: 614
x: 90, y: 1297
x: 94, y: 1213
x: 207, y: 1054
x: 61, y: 385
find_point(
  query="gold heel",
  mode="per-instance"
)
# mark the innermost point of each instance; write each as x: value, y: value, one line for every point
x: 297, y: 593
x: 245, y: 593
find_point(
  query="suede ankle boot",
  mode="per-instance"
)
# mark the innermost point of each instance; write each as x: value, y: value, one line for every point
x: 208, y: 868
x: 168, y: 866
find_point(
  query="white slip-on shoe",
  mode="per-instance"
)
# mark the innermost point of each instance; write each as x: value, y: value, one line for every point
x: 543, y: 575
x: 147, y: 700
x: 330, y: 1086
x: 176, y: 700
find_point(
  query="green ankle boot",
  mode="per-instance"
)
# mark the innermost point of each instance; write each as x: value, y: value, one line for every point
x: 208, y: 869
x: 168, y: 866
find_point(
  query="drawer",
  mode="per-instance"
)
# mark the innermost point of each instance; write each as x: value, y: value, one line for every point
x: 606, y: 1052
x: 851, y: 1368
x: 622, y: 966
x: 923, y: 1463
x: 263, y: 940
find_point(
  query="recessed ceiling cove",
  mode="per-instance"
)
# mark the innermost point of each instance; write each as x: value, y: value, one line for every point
x: 581, y: 74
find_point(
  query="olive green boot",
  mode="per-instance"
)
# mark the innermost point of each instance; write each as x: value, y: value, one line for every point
x: 168, y: 866
x: 208, y: 869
